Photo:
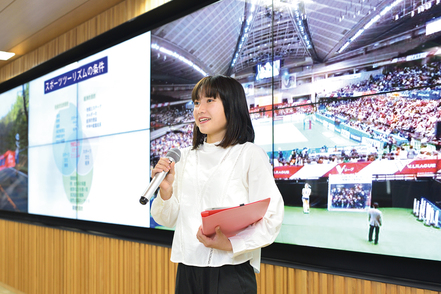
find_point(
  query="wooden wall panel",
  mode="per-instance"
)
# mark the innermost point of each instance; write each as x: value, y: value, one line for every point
x: 39, y: 260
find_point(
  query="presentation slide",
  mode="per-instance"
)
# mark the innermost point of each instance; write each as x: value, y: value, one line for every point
x: 117, y: 101
x: 50, y: 190
x: 110, y: 190
x: 52, y: 116
x: 89, y: 137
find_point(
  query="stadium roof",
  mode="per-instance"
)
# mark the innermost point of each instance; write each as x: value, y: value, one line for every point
x: 232, y: 36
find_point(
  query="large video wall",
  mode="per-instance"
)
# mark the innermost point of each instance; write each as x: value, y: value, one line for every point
x: 79, y: 142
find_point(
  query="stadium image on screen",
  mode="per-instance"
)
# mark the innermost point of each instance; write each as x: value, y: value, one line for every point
x: 366, y: 108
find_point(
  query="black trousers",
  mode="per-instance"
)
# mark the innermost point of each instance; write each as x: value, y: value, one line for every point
x: 228, y: 279
x: 377, y: 233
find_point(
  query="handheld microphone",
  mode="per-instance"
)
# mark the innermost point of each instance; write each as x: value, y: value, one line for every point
x: 173, y: 155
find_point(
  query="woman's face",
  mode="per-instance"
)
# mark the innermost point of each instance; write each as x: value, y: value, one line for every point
x: 210, y: 118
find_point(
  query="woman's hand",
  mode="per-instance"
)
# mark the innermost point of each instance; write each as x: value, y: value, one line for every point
x: 217, y: 241
x: 165, y: 165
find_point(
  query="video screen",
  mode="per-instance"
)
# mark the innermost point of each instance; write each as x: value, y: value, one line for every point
x: 358, y: 129
x: 14, y: 105
x: 268, y: 70
x: 349, y: 192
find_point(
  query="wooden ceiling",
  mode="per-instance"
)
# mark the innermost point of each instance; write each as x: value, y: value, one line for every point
x: 28, y: 24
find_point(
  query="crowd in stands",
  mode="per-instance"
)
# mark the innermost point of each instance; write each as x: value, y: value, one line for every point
x: 387, y: 117
x: 173, y: 139
x: 381, y: 116
x: 168, y: 116
x: 287, y: 109
x: 395, y: 79
x: 282, y: 109
x: 350, y: 154
x: 352, y: 196
x: 399, y: 114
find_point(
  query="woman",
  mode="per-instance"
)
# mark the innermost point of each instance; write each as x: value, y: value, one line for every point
x: 223, y: 168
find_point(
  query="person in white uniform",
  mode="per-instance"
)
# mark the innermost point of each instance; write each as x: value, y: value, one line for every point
x: 223, y: 168
x: 306, y: 192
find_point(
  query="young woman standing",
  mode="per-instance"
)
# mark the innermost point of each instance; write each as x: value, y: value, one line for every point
x: 223, y: 168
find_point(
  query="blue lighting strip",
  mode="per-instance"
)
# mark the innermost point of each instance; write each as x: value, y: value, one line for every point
x: 245, y: 36
x: 298, y: 18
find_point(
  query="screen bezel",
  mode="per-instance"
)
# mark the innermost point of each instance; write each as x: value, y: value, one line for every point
x: 390, y: 269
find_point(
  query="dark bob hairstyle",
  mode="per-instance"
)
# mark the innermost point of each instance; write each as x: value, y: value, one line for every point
x: 230, y: 91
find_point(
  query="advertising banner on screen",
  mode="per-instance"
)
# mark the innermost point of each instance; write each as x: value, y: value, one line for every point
x: 347, y: 168
x: 286, y: 172
x: 422, y: 166
x: 7, y: 159
x: 288, y: 81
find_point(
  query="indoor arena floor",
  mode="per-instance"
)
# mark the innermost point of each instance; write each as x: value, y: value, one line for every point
x: 294, y: 134
x: 402, y: 234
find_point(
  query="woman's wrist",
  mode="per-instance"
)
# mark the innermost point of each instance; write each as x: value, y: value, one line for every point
x: 166, y: 194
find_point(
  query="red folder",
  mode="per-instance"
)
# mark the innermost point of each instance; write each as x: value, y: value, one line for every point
x: 233, y: 219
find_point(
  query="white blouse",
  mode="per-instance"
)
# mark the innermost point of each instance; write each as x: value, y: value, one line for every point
x: 212, y: 176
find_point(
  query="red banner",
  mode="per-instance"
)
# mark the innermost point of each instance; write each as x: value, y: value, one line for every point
x: 382, y: 167
x: 347, y: 168
x: 285, y: 172
x: 420, y: 166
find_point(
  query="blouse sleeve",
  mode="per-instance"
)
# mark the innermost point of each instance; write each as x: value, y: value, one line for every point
x: 165, y: 212
x: 261, y: 185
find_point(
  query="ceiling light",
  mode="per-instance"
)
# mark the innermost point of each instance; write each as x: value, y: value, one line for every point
x: 344, y: 47
x: 370, y: 23
x: 177, y: 56
x: 6, y: 55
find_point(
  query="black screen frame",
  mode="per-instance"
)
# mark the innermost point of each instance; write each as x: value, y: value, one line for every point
x: 404, y: 271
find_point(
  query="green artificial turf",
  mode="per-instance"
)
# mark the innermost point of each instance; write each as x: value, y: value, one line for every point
x: 401, y: 234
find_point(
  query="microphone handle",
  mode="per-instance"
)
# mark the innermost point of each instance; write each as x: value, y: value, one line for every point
x: 154, y: 184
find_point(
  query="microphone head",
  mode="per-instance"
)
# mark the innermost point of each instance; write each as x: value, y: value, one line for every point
x: 143, y: 200
x: 174, y: 154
